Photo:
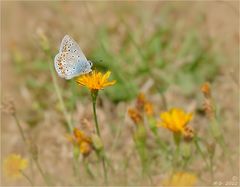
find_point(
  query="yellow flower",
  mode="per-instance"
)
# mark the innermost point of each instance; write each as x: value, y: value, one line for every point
x: 13, y: 165
x: 95, y: 80
x: 175, y: 120
x: 180, y: 179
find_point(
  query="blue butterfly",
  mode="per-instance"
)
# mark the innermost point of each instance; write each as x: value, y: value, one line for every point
x: 70, y: 61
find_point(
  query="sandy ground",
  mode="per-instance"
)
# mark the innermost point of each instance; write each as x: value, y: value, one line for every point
x: 18, y: 24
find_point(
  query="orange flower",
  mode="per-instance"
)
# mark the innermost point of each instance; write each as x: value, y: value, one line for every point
x: 80, y: 136
x: 95, y: 80
x: 83, y: 141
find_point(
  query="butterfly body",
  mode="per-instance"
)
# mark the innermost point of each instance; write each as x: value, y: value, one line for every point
x: 70, y: 61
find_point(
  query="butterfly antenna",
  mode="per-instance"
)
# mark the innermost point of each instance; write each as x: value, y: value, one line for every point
x: 99, y: 61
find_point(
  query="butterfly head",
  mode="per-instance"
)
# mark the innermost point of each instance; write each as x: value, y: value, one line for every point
x: 90, y: 63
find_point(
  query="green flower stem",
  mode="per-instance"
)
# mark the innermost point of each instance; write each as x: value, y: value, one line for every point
x: 186, y: 152
x: 87, y: 168
x: 216, y: 132
x: 153, y: 127
x: 177, y: 140
x: 94, y: 94
x: 76, y: 163
x: 46, y: 49
x: 76, y: 169
x: 42, y: 173
x: 200, y: 151
x: 20, y: 128
x: 26, y: 177
x: 140, y: 138
x: 60, y: 98
x: 31, y: 154
x: 117, y: 137
x: 59, y: 95
x: 211, y: 168
x: 164, y: 100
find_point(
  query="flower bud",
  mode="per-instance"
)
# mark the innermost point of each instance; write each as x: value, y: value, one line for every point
x: 85, y: 148
x: 97, y: 142
x: 135, y: 116
x: 206, y: 90
x: 76, y: 151
x: 43, y: 40
x: 148, y: 108
x: 211, y: 149
x: 8, y: 107
x: 188, y: 133
x: 33, y: 149
x: 140, y: 101
x: 186, y: 151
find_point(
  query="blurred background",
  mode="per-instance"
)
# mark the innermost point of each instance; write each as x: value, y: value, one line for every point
x: 165, y: 49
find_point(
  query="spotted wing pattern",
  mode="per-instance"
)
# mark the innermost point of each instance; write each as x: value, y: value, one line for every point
x: 69, y: 45
x: 70, y: 61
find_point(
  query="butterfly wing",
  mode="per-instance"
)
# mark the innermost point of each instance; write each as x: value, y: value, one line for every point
x: 69, y: 45
x: 69, y: 65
